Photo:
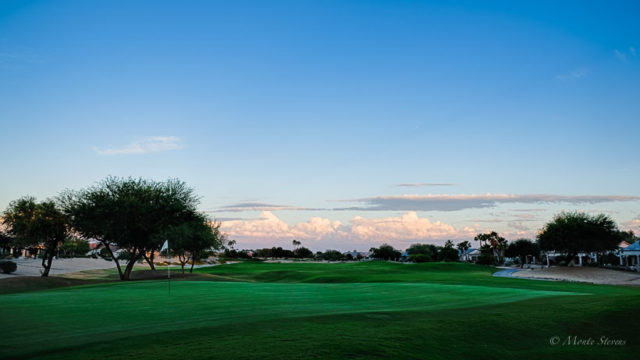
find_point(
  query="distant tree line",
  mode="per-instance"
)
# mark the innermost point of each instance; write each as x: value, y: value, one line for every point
x: 567, y: 234
x: 137, y: 216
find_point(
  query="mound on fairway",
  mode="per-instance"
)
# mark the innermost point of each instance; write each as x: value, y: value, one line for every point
x: 313, y: 310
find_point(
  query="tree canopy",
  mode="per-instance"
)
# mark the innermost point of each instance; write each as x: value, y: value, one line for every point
x: 495, y: 242
x: 385, y: 252
x: 422, y: 252
x: 130, y: 214
x: 448, y: 252
x: 575, y: 232
x: 189, y: 239
x: 522, y: 248
x: 40, y: 224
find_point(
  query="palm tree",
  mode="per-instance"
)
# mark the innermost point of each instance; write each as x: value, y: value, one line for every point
x: 496, y: 242
x: 296, y: 243
x: 463, y: 247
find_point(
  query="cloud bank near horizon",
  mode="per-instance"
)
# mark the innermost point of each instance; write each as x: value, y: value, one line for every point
x: 455, y: 202
x: 436, y: 202
x: 268, y: 230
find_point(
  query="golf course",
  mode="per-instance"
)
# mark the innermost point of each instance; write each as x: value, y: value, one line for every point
x: 318, y: 310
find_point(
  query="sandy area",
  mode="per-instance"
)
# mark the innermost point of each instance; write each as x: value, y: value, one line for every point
x: 582, y: 274
x: 33, y: 267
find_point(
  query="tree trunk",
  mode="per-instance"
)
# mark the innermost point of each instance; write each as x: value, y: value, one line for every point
x: 46, y: 263
x: 193, y: 261
x: 149, y: 260
x: 106, y: 246
x: 132, y: 261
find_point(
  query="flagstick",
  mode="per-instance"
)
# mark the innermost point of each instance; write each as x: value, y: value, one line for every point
x: 169, y: 268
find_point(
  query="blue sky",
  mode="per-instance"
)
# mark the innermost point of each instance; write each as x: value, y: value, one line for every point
x: 301, y: 119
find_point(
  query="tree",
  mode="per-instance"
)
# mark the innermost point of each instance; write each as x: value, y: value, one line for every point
x: 190, y: 238
x: 576, y: 232
x: 628, y: 236
x: 296, y: 243
x: 6, y: 242
x: 303, y: 253
x: 129, y: 214
x: 496, y: 242
x: 74, y: 247
x: 421, y: 252
x: 36, y: 224
x: 522, y: 248
x: 385, y: 252
x: 448, y: 252
x: 332, y: 255
x: 463, y: 247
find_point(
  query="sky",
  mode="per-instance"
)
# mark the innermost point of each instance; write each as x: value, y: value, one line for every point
x: 343, y: 124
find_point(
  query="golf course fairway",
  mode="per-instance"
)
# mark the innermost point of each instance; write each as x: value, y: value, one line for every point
x: 309, y: 310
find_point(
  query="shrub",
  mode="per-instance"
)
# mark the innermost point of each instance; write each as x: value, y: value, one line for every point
x: 420, y: 258
x: 485, y: 259
x: 610, y: 259
x: 74, y: 248
x: 8, y: 267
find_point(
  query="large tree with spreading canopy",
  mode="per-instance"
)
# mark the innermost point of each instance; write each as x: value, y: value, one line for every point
x: 129, y: 214
x: 575, y: 232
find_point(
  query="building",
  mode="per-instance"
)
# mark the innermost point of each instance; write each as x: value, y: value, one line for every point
x: 470, y: 255
x: 630, y: 256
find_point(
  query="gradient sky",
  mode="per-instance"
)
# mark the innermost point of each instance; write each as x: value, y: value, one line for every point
x: 343, y: 124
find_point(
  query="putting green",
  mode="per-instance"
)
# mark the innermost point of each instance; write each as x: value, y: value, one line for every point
x: 83, y: 314
x: 333, y: 311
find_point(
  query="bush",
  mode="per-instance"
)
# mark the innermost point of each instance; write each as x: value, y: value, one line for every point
x: 74, y: 248
x: 485, y: 259
x: 8, y: 267
x: 610, y: 259
x: 420, y: 258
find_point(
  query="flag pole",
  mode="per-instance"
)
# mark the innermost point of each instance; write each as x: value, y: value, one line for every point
x: 169, y: 268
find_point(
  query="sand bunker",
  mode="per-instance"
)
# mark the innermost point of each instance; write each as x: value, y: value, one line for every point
x: 33, y: 267
x: 582, y: 274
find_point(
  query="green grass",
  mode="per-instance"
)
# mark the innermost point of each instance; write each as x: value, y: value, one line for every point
x: 323, y: 311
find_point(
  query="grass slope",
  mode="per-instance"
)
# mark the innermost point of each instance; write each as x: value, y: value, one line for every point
x: 290, y: 311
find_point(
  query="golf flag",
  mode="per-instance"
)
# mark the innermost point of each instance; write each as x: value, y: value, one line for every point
x: 164, y: 247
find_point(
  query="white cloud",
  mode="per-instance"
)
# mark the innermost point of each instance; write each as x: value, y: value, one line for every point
x: 406, y: 227
x: 633, y: 225
x: 625, y: 56
x: 517, y: 225
x: 268, y: 230
x: 573, y: 75
x: 270, y: 226
x: 144, y: 146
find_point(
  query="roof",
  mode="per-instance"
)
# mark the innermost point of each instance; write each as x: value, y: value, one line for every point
x: 634, y: 246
